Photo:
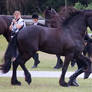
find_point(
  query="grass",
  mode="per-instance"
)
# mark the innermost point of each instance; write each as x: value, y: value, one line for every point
x: 89, y: 30
x: 44, y: 85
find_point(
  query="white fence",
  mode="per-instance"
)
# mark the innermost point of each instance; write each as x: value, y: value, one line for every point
x: 29, y: 21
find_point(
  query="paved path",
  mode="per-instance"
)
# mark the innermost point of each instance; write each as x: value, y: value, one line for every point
x: 41, y: 74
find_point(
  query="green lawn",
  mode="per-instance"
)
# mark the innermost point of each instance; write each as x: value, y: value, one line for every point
x: 44, y: 85
x: 89, y: 31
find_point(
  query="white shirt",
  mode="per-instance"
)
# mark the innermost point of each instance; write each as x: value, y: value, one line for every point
x: 35, y: 23
x: 20, y: 22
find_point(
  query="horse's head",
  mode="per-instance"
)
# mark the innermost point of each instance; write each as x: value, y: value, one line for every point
x: 88, y: 14
x: 50, y: 13
x: 52, y: 17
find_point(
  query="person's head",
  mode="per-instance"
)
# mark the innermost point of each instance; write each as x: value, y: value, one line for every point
x: 17, y: 14
x: 35, y: 17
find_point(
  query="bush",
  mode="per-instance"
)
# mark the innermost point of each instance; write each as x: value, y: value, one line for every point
x: 79, y: 6
x: 89, y: 6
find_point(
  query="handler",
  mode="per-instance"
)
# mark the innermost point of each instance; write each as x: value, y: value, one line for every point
x: 16, y: 25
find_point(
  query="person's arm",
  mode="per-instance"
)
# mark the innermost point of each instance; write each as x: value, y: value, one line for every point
x: 11, y: 26
x: 13, y: 22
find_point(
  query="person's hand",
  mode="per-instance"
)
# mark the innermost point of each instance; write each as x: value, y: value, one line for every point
x: 18, y: 26
x: 10, y: 28
x: 14, y: 21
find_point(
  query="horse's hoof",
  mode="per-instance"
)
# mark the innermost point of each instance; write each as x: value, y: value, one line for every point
x: 34, y: 66
x: 86, y: 75
x: 28, y: 79
x: 16, y: 83
x: 64, y: 84
x: 73, y: 83
x: 58, y: 66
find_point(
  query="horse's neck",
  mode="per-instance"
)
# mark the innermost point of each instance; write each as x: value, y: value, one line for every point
x: 78, y: 24
x: 53, y: 22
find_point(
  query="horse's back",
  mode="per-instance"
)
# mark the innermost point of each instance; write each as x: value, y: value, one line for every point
x: 37, y: 36
x: 45, y: 39
x: 30, y: 36
x: 34, y: 31
x: 3, y: 24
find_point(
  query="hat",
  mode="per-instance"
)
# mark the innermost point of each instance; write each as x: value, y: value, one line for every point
x: 35, y: 16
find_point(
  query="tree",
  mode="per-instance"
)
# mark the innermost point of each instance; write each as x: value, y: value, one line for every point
x: 30, y: 6
x: 2, y: 6
x: 13, y: 5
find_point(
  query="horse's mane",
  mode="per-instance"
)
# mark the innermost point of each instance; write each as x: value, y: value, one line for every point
x: 67, y: 12
x: 53, y: 19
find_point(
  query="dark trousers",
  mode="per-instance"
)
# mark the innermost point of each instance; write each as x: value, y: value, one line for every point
x: 36, y: 59
x: 14, y: 44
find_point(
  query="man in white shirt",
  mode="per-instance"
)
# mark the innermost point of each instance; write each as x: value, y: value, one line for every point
x: 16, y: 25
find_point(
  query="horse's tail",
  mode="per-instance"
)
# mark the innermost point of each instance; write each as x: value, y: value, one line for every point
x: 9, y: 54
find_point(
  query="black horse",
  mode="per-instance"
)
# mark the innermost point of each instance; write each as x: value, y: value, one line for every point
x: 88, y: 49
x: 53, y: 24
x: 4, y: 27
x: 65, y: 40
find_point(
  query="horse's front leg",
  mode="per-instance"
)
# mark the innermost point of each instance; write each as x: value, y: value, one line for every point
x: 27, y: 73
x: 64, y: 69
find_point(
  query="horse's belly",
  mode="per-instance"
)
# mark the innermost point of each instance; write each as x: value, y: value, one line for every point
x: 51, y: 49
x: 52, y: 52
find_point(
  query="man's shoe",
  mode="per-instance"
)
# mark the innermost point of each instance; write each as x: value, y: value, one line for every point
x: 57, y: 66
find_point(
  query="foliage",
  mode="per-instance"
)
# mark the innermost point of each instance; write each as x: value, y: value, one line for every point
x: 30, y: 6
x: 79, y: 6
x: 89, y: 6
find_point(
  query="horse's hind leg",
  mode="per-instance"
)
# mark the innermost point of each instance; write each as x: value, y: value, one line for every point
x: 14, y: 80
x: 20, y: 61
x: 26, y: 72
